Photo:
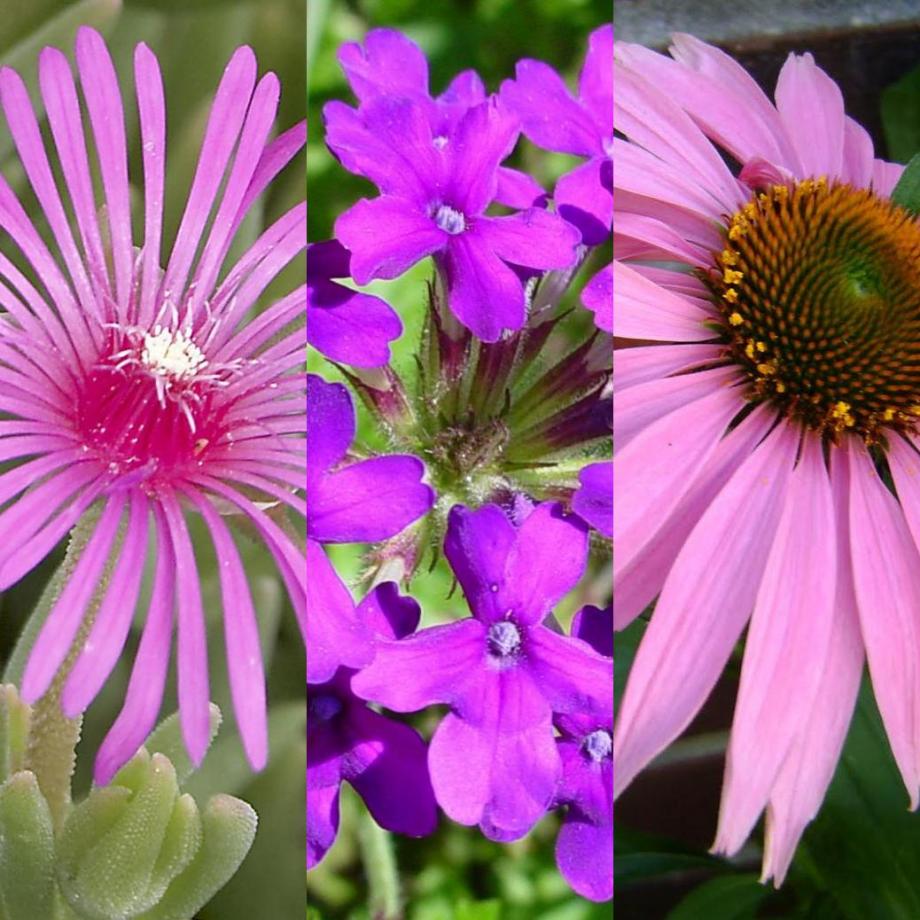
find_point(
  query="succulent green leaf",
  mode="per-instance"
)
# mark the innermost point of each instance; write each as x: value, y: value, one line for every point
x: 14, y: 731
x: 229, y: 826
x: 183, y: 839
x: 113, y: 878
x: 167, y: 740
x: 26, y: 850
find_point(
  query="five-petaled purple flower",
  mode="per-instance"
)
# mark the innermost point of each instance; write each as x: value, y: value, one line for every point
x: 348, y: 503
x: 343, y: 324
x: 436, y: 189
x: 346, y: 740
x: 584, y: 847
x: 493, y: 759
x: 553, y: 119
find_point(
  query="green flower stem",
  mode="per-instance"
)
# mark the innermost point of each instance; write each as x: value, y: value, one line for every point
x: 380, y: 868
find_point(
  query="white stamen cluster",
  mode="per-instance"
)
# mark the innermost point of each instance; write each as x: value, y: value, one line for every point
x: 170, y: 353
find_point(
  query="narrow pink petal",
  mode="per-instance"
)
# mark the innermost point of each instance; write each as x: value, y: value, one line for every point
x: 811, y: 106
x: 706, y: 600
x: 809, y: 767
x: 60, y: 629
x: 223, y: 129
x: 787, y: 644
x: 63, y: 107
x: 657, y: 469
x: 643, y: 310
x: 256, y: 128
x: 106, y: 115
x: 28, y: 140
x: 192, y: 657
x: 643, y: 405
x: 151, y: 108
x: 113, y: 621
x: 241, y: 634
x: 858, y: 154
x: 885, y: 566
x: 255, y: 334
x: 636, y: 585
x: 632, y: 366
x: 148, y: 676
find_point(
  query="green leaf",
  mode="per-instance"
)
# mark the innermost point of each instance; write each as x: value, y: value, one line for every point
x: 864, y: 846
x: 907, y: 192
x: 730, y: 897
x: 478, y: 910
x: 901, y: 116
x: 26, y: 850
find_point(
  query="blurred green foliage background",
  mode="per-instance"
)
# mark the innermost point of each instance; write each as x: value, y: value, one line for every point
x: 456, y: 874
x: 193, y: 40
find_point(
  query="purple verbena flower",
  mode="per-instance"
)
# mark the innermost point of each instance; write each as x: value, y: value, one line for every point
x: 343, y: 324
x: 584, y: 847
x: 435, y: 193
x: 593, y: 501
x: 493, y: 759
x: 144, y: 390
x: 384, y: 760
x: 389, y: 64
x: 355, y: 502
x: 553, y: 119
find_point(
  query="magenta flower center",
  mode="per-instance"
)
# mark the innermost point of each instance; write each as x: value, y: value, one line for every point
x: 818, y: 287
x: 598, y: 745
x: 150, y: 407
x: 449, y: 220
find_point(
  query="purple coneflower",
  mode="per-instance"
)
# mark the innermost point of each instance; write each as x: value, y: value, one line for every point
x: 145, y: 389
x: 766, y: 419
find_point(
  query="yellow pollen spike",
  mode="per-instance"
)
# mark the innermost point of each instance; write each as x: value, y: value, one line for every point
x: 915, y: 410
x: 761, y: 347
x: 888, y: 415
x: 732, y: 277
x: 731, y: 295
x: 749, y: 350
x: 780, y: 386
x: 729, y: 257
x: 737, y: 231
x: 768, y: 368
x: 736, y: 319
x: 750, y: 210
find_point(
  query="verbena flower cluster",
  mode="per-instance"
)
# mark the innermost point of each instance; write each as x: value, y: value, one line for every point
x: 499, y: 446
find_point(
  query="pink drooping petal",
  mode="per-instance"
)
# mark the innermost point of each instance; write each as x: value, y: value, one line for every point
x: 811, y: 106
x: 192, y: 657
x: 704, y: 605
x: 151, y: 107
x: 636, y: 236
x: 113, y: 620
x: 106, y: 114
x: 148, y: 676
x: 637, y: 585
x: 885, y: 176
x: 858, y: 154
x: 787, y: 645
x: 809, y: 767
x: 60, y: 629
x: 885, y: 566
x: 643, y: 364
x: 643, y: 405
x: 661, y: 466
x: 643, y: 310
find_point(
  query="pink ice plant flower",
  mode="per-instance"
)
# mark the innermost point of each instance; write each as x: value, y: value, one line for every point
x: 504, y: 673
x: 759, y: 416
x: 145, y: 391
